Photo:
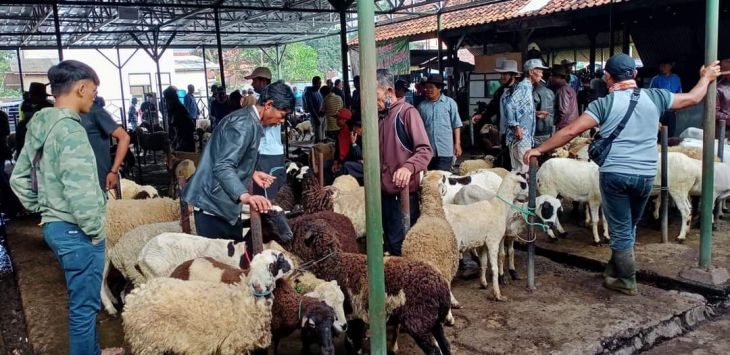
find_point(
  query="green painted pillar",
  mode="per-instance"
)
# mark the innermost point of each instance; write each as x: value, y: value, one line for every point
x: 708, y: 153
x: 376, y: 284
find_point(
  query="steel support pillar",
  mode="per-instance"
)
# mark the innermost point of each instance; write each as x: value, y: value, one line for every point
x: 57, y: 25
x: 121, y: 90
x: 440, y: 43
x: 711, y: 34
x: 611, y: 35
x: 343, y: 54
x: 20, y: 71
x: 279, y: 58
x: 205, y: 69
x: 592, y: 52
x: 376, y: 282
x: 531, y: 233
x: 220, y: 46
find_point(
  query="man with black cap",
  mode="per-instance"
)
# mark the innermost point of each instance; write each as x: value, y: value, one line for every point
x: 37, y: 100
x: 627, y: 174
x: 566, y: 99
x: 443, y: 124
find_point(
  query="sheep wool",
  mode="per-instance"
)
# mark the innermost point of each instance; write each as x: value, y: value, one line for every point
x: 468, y: 166
x: 416, y: 294
x: 123, y: 256
x: 486, y: 234
x: 131, y: 191
x: 198, y: 317
x: 123, y: 215
x: 345, y: 183
x: 340, y: 224
x: 431, y: 239
x: 163, y: 253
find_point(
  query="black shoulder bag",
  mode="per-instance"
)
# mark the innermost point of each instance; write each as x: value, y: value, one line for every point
x: 601, y: 146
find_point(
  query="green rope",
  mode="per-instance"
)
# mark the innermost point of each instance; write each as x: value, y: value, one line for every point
x: 526, y: 213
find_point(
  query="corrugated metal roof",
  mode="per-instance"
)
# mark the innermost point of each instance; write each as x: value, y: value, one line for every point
x: 481, y: 15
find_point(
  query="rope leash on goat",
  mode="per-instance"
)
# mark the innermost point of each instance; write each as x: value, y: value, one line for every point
x: 302, y: 267
x: 526, y: 213
x: 271, y: 172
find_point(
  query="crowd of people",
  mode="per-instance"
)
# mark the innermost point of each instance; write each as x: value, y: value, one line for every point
x: 64, y: 151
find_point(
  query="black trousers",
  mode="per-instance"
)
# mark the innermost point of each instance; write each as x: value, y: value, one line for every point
x: 394, y: 232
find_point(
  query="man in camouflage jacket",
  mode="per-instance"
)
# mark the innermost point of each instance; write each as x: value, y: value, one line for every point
x: 68, y: 195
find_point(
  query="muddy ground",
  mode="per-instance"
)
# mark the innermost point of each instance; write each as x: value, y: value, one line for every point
x: 568, y: 313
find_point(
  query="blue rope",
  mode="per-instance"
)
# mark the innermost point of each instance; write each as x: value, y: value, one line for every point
x: 261, y: 294
x: 526, y: 213
x: 275, y: 169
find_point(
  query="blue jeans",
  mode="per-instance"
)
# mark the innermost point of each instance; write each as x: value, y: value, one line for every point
x: 441, y: 163
x: 624, y: 198
x: 83, y: 265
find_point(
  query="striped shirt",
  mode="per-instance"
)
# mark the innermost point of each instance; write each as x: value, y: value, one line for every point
x: 332, y: 104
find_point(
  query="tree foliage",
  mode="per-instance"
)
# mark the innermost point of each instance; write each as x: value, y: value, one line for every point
x: 6, y: 57
x: 328, y: 50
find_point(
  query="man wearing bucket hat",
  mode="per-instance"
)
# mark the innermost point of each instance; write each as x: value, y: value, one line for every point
x: 627, y: 173
x: 37, y: 100
x: 543, y: 98
x: 442, y: 122
x: 518, y: 116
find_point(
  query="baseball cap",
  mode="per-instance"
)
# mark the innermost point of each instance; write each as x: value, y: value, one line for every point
x: 260, y: 72
x: 621, y: 67
x: 533, y: 64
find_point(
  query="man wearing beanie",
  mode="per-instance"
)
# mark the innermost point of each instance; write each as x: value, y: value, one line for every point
x: 627, y: 174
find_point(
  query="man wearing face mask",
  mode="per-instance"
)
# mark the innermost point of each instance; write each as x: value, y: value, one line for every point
x: 271, y: 151
x: 219, y: 188
x: 404, y: 152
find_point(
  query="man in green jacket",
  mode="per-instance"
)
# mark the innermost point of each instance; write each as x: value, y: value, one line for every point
x: 67, y: 194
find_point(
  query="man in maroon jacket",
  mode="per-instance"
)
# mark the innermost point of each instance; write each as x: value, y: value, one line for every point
x: 404, y: 152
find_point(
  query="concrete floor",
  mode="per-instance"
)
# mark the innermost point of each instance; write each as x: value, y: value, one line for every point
x: 569, y: 313
x: 708, y: 339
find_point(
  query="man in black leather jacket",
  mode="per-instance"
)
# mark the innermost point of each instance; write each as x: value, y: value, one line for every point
x: 221, y: 184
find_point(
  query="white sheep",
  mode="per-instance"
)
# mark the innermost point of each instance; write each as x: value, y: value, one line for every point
x: 684, y: 176
x: 576, y: 180
x: 163, y: 253
x: 486, y: 234
x: 124, y: 215
x: 202, y: 123
x: 346, y: 183
x: 483, y: 178
x: 351, y: 204
x: 133, y: 191
x: 468, y: 166
x: 304, y: 128
x: 211, y: 270
x: 198, y: 317
x: 546, y: 209
x: 123, y: 256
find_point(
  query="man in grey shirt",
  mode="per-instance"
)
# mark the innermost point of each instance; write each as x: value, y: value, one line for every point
x: 627, y: 175
x: 100, y: 127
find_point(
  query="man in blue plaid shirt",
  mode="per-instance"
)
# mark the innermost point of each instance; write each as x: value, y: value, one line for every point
x: 517, y: 116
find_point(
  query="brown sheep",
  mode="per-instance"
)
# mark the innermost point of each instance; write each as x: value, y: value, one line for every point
x: 417, y: 296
